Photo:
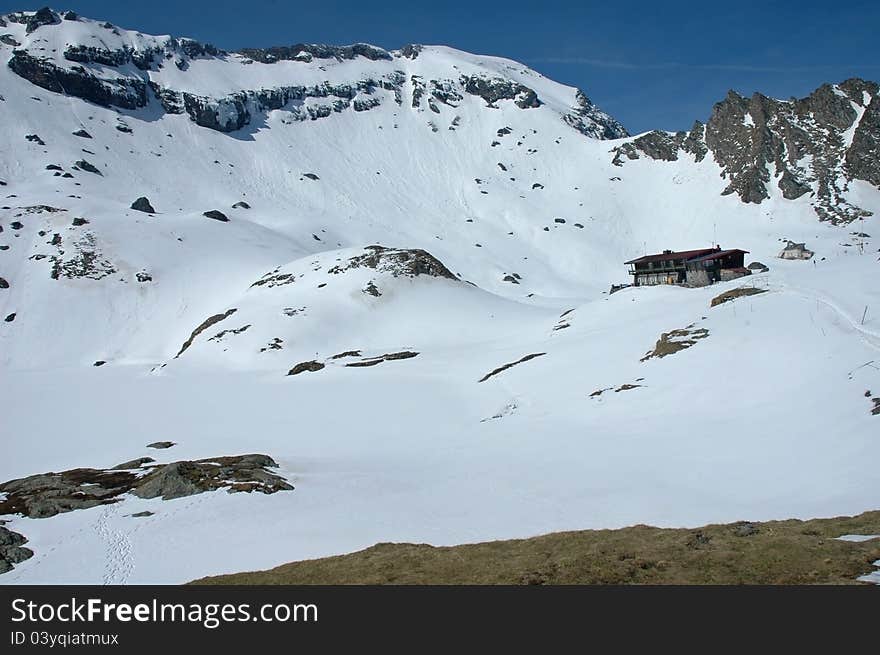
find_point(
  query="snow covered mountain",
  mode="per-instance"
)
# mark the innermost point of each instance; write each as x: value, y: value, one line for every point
x: 329, y: 255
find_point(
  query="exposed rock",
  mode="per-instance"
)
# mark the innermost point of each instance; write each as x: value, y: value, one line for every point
x: 372, y: 289
x: 219, y: 336
x: 208, y: 322
x: 275, y: 344
x: 347, y: 353
x: 863, y: 156
x: 100, y: 362
x: 799, y: 145
x: 758, y: 266
x: 411, y: 50
x: 675, y: 341
x: 311, y: 176
x: 493, y: 89
x: 12, y: 550
x: 241, y: 204
x: 83, y: 134
x: 216, y: 215
x: 8, y: 40
x: 142, y: 204
x: 745, y: 529
x: 302, y: 367
x: 128, y: 93
x: 590, y: 121
x: 307, y: 51
x: 144, y: 514
x: 44, y: 16
x: 275, y: 279
x: 82, y: 260
x: 10, y: 317
x: 35, y: 138
x: 161, y: 445
x: 500, y: 369
x: 372, y: 361
x: 86, y: 166
x: 733, y: 294
x: 79, y: 221
x: 398, y: 262
x: 133, y: 464
x: 48, y: 494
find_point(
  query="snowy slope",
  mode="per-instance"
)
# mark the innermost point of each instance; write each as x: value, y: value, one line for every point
x: 521, y: 213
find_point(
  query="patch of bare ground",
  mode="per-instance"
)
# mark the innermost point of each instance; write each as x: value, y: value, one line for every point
x: 733, y: 294
x: 503, y: 368
x: 672, y: 342
x: 774, y: 552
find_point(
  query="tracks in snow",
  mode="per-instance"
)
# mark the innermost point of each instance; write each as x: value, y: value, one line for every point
x: 119, y: 562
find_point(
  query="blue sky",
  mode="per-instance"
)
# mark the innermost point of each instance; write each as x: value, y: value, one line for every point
x: 650, y: 64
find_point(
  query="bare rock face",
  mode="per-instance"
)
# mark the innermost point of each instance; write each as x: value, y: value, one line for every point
x: 12, y: 550
x: 493, y: 89
x: 398, y: 262
x: 302, y: 367
x: 142, y: 204
x: 81, y: 259
x: 591, y: 121
x: 798, y: 145
x: 48, y: 494
x: 123, y: 92
x: 44, y: 16
x: 216, y: 215
x: 305, y: 52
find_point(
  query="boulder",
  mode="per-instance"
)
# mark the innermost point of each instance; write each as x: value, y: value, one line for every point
x: 142, y: 204
x: 216, y: 215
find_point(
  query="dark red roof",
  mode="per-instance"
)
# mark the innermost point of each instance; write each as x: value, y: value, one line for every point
x: 666, y: 256
x: 716, y: 255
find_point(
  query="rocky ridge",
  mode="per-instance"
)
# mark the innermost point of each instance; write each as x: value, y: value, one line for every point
x: 127, y: 73
x: 813, y: 146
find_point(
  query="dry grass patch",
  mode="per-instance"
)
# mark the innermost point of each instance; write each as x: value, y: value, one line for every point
x: 775, y: 552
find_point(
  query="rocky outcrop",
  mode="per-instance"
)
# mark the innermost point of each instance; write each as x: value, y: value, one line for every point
x: 82, y: 259
x: 591, y: 121
x: 305, y: 52
x: 44, y: 16
x: 664, y: 146
x: 411, y: 50
x: 863, y: 155
x: 204, y: 325
x: 129, y: 93
x: 48, y: 494
x: 12, y: 550
x: 310, y: 366
x: 494, y: 89
x: 812, y: 146
x: 216, y: 215
x: 142, y: 204
x: 409, y: 263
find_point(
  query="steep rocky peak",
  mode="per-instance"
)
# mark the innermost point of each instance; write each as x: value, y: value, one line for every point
x: 812, y: 146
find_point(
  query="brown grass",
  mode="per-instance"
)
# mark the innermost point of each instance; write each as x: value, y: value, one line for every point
x: 775, y: 552
x: 733, y: 294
